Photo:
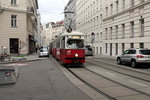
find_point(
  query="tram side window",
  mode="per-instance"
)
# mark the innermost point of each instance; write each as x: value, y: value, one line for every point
x: 63, y: 43
x: 58, y: 44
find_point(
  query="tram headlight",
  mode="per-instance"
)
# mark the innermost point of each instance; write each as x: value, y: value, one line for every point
x: 76, y: 55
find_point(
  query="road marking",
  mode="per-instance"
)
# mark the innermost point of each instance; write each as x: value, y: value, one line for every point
x: 110, y: 73
x: 138, y: 83
x: 16, y: 64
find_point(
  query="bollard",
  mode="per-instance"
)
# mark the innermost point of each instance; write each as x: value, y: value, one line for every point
x: 8, y: 75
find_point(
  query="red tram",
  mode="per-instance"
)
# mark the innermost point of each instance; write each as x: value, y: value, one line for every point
x: 68, y: 48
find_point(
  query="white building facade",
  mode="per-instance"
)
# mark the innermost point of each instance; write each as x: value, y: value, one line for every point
x: 70, y: 15
x: 89, y: 21
x: 18, y: 26
x: 112, y: 26
x: 126, y: 24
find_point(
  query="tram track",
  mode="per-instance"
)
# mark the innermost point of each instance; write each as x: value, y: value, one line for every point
x: 124, y: 71
x: 106, y: 87
x: 114, y: 63
x: 110, y: 96
x: 91, y: 86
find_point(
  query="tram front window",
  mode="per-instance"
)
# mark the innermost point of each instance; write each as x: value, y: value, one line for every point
x: 75, y: 44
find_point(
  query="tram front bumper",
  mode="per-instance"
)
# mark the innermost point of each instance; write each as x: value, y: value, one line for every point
x: 75, y: 60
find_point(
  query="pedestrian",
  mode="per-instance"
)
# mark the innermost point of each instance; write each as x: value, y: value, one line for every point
x: 36, y: 49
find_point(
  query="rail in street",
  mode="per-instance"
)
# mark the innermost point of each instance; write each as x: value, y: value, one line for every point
x: 101, y: 79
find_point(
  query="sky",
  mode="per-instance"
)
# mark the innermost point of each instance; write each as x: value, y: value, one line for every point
x: 51, y: 10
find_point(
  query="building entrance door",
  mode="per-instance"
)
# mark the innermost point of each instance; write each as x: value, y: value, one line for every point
x: 14, y: 45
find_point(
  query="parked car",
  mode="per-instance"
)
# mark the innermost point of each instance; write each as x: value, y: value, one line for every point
x: 135, y: 57
x: 88, y: 51
x: 44, y: 52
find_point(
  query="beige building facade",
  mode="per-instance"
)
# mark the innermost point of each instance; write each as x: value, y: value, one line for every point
x: 18, y: 26
x: 112, y: 26
x: 51, y: 31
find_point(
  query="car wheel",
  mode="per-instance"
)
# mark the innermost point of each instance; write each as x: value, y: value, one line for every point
x: 133, y: 63
x: 119, y: 61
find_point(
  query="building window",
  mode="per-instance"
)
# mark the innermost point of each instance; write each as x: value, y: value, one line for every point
x: 123, y: 47
x: 111, y: 8
x: 101, y: 18
x: 142, y: 27
x: 110, y: 49
x: 98, y: 37
x: 101, y: 36
x: 116, y: 48
x: 123, y: 30
x: 123, y: 4
x: 116, y: 31
x: 141, y: 45
x: 13, y: 20
x: 106, y: 11
x: 106, y: 33
x: 111, y: 32
x: 13, y: 2
x: 132, y: 28
x: 142, y: 1
x: 117, y: 6
x: 132, y: 3
x: 97, y: 50
x: 132, y: 45
x: 106, y: 48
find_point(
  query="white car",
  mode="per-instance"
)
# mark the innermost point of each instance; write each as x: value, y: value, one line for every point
x: 44, y: 52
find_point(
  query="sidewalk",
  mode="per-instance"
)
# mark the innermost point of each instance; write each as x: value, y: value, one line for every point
x: 28, y: 58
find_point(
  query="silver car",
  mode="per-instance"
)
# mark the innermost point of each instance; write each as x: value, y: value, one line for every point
x: 135, y: 57
x: 89, y: 51
x: 44, y: 52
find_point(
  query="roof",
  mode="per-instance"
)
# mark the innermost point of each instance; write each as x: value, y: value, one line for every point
x: 73, y: 33
x: 138, y: 49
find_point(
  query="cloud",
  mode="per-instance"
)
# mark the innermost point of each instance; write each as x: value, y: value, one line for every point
x: 51, y: 10
x: 51, y: 17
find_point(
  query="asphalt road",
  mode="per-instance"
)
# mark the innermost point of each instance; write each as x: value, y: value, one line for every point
x: 41, y: 80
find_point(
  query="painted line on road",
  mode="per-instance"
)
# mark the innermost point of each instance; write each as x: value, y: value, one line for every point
x: 16, y: 64
x: 138, y: 83
x: 110, y: 73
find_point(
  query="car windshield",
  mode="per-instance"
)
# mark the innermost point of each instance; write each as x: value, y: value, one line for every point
x: 145, y: 52
x: 90, y: 49
x: 75, y: 43
x: 43, y: 50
